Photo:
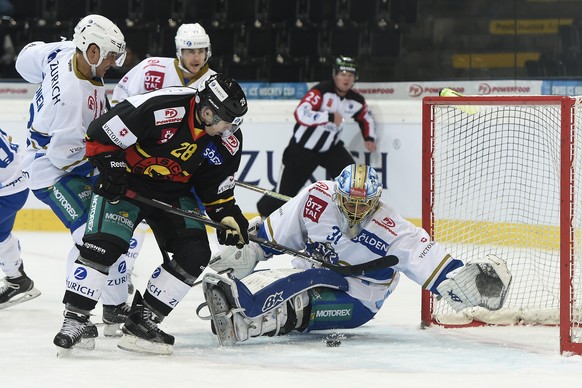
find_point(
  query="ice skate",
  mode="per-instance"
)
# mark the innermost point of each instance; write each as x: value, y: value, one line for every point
x: 17, y: 290
x: 141, y: 332
x: 113, y: 318
x: 222, y: 318
x: 74, y: 332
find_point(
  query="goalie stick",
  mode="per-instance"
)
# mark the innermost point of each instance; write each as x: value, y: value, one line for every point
x: 258, y: 189
x: 353, y: 270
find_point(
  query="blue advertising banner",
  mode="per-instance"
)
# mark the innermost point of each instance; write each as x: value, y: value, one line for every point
x: 562, y: 88
x: 274, y: 91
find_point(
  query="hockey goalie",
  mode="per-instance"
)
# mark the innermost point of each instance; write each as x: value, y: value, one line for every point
x: 342, y: 223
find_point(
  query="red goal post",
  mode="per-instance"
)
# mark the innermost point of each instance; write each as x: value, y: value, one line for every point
x: 503, y: 175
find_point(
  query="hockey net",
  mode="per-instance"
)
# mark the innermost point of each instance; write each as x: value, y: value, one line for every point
x: 503, y: 175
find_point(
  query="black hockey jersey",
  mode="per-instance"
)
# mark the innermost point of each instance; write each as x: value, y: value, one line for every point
x: 167, y: 150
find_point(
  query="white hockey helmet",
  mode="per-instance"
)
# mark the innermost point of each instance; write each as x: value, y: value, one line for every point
x: 192, y: 36
x: 357, y: 192
x: 98, y: 30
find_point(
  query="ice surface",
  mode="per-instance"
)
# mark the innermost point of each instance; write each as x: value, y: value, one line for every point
x: 390, y: 351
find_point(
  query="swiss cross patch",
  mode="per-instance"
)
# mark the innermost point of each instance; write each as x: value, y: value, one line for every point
x: 231, y: 143
x: 153, y: 80
x: 313, y: 208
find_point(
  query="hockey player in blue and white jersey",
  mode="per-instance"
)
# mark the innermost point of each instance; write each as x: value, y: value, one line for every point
x: 342, y: 222
x: 71, y: 95
x: 17, y: 287
x: 188, y: 68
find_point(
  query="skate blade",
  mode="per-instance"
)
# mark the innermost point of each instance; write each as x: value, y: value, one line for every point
x: 21, y: 298
x: 112, y: 330
x: 83, y: 345
x: 224, y: 330
x: 222, y: 318
x: 132, y: 343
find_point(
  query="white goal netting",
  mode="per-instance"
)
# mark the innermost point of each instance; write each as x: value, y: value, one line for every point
x: 499, y: 173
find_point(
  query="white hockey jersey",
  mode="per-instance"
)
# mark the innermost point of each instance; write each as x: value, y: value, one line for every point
x: 61, y: 110
x: 11, y: 179
x: 155, y: 73
x: 312, y: 216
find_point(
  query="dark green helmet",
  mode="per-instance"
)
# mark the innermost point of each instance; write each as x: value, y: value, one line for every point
x: 343, y: 63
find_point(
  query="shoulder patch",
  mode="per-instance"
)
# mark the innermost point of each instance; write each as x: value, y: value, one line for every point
x: 118, y: 132
x: 211, y: 154
x: 314, y: 207
x: 169, y: 115
x: 231, y: 143
x: 153, y: 80
x: 227, y: 184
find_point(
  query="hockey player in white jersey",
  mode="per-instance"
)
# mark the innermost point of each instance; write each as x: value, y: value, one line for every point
x: 188, y: 68
x: 71, y: 95
x: 342, y: 222
x: 17, y: 287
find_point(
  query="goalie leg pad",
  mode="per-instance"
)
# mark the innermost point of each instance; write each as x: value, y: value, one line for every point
x: 484, y: 282
x: 335, y: 309
x: 269, y: 302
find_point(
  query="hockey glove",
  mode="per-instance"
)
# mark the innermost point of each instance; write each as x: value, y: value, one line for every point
x: 111, y: 183
x: 481, y: 282
x: 237, y: 234
x: 242, y: 261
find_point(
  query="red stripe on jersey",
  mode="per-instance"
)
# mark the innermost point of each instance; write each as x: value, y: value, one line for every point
x: 93, y: 147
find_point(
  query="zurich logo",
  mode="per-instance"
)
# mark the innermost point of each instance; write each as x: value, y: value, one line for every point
x: 122, y: 267
x: 80, y: 273
x: 132, y: 243
x: 157, y: 272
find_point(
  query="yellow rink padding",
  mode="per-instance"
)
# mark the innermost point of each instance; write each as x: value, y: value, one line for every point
x: 544, y: 237
x: 44, y: 220
x: 449, y: 231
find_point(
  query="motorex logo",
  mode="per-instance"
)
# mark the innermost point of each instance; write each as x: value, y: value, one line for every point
x: 80, y: 273
x: 157, y: 272
x: 122, y: 267
x: 332, y: 312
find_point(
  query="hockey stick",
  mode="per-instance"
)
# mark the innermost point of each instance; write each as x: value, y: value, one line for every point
x: 353, y: 270
x: 266, y: 192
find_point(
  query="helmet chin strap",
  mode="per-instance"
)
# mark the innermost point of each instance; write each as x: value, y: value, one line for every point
x: 92, y: 66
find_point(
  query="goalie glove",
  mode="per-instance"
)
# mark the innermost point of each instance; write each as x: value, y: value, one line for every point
x: 483, y: 282
x: 242, y: 261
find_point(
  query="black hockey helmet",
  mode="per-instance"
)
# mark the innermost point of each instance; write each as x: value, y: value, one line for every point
x: 224, y: 96
x: 343, y: 63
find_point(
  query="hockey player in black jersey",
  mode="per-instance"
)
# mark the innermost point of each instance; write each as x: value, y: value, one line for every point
x: 160, y: 145
x: 316, y: 136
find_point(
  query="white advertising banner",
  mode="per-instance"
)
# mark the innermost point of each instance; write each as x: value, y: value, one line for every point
x: 269, y: 124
